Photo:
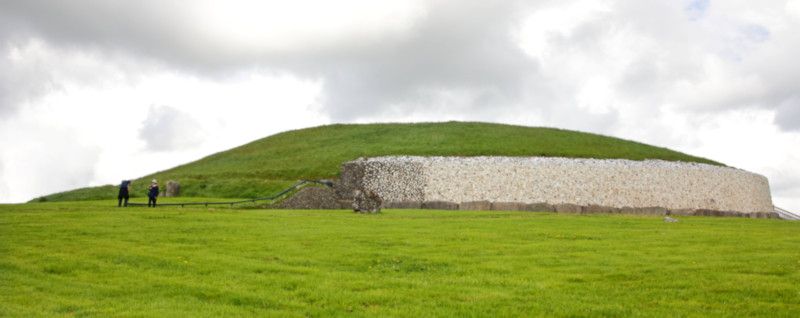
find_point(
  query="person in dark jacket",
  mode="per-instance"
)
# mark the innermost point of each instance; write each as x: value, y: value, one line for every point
x: 152, y: 194
x: 124, y: 192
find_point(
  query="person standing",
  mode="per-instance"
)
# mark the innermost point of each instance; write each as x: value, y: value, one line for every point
x: 152, y: 194
x: 124, y: 192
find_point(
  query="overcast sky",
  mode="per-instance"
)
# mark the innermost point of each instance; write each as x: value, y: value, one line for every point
x: 94, y: 91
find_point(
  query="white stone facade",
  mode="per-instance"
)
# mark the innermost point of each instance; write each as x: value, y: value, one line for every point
x: 607, y: 182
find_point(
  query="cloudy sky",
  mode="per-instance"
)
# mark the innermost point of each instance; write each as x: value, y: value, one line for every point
x: 95, y: 91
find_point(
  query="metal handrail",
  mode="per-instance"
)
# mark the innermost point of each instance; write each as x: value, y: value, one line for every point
x: 329, y: 184
x: 786, y: 215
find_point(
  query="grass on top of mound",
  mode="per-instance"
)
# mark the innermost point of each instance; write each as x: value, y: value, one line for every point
x: 266, y: 166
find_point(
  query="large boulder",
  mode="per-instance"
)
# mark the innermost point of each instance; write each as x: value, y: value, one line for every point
x: 366, y: 202
x: 173, y: 189
x: 670, y: 220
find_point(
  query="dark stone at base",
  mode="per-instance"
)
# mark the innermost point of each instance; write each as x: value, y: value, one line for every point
x: 681, y: 212
x: 540, y: 207
x: 764, y: 215
x: 735, y: 214
x: 345, y: 204
x: 402, y: 205
x: 652, y: 210
x: 368, y: 202
x: 475, y: 206
x: 508, y: 206
x: 439, y: 205
x: 567, y: 208
x: 707, y: 212
x: 599, y: 209
x: 715, y: 213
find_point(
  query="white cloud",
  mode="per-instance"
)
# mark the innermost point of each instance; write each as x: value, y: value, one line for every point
x: 793, y: 8
x: 167, y: 128
x: 715, y: 79
x: 553, y: 23
x: 41, y: 160
x: 84, y: 121
x: 292, y: 25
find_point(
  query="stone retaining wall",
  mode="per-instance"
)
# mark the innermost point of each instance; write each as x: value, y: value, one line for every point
x: 593, y: 185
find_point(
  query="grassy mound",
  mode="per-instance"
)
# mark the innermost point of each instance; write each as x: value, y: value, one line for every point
x: 266, y: 166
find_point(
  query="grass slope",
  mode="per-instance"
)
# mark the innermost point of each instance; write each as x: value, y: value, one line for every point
x: 268, y: 165
x: 86, y: 259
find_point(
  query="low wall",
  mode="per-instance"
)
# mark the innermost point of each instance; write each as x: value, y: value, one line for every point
x: 614, y: 183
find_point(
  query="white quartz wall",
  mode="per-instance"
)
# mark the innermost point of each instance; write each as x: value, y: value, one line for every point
x: 609, y: 182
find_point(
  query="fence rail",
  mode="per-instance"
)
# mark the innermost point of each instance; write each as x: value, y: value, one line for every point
x: 786, y: 215
x: 244, y: 201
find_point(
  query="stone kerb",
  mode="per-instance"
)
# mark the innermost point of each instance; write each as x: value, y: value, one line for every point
x: 351, y: 178
x: 591, y: 183
x: 173, y: 188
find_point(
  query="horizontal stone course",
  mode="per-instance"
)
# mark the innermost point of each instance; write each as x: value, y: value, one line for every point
x: 402, y: 205
x: 650, y: 187
x: 509, y: 206
x: 439, y: 205
x: 592, y: 208
x: 475, y: 206
x: 540, y: 207
x: 568, y: 208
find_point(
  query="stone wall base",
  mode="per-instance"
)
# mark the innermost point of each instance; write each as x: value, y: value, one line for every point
x: 568, y: 208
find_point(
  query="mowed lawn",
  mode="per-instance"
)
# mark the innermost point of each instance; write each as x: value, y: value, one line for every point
x: 93, y: 259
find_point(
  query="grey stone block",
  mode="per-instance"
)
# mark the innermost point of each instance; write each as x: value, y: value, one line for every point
x: 402, y: 205
x: 366, y: 202
x: 345, y: 204
x: 708, y: 212
x: 475, y: 206
x: 439, y: 205
x: 764, y: 215
x: 681, y: 212
x: 351, y: 179
x: 508, y: 206
x: 627, y: 210
x: 540, y: 207
x: 567, y: 208
x: 592, y: 208
x: 734, y: 214
x: 173, y: 189
x: 653, y: 210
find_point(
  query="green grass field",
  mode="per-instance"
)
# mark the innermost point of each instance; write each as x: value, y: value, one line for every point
x: 91, y: 259
x: 269, y: 165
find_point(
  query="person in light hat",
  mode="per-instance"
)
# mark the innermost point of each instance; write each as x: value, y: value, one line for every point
x: 152, y: 193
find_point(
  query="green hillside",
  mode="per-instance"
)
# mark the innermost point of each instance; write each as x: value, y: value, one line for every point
x: 266, y: 166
